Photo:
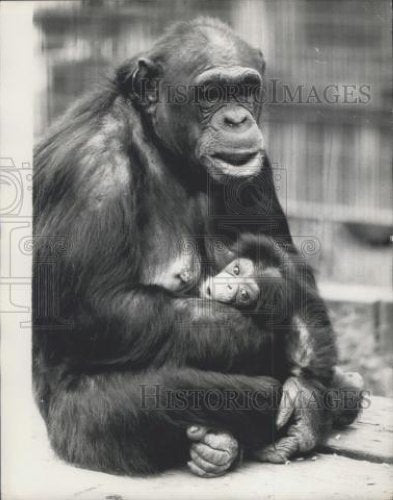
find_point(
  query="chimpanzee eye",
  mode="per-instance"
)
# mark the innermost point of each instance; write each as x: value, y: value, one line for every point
x: 248, y: 90
x: 214, y: 93
x: 211, y: 94
x: 236, y: 270
x: 207, y: 97
x: 244, y: 294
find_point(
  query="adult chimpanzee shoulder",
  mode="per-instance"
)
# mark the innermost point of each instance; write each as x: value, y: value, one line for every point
x: 158, y: 174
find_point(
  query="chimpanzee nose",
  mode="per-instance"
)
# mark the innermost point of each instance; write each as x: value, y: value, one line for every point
x: 238, y: 117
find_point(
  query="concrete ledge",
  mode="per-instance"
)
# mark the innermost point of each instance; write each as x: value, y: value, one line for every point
x: 38, y: 475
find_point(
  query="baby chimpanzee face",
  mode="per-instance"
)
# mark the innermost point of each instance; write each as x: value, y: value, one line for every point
x: 236, y: 284
x: 262, y: 281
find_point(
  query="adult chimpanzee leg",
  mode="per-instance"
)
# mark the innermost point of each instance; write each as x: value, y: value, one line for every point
x: 127, y: 423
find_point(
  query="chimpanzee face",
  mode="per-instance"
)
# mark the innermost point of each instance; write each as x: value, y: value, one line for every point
x: 229, y: 142
x: 209, y: 100
x: 236, y: 284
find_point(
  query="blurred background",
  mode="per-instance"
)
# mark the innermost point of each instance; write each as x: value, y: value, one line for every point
x: 329, y: 138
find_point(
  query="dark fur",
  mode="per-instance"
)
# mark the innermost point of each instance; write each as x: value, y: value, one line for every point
x: 287, y: 299
x: 288, y: 294
x: 103, y: 184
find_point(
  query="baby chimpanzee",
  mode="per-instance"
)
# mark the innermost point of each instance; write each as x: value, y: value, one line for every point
x: 262, y: 280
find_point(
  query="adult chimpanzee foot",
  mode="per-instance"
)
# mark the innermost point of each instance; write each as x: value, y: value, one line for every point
x: 212, y: 453
x: 302, y: 408
x: 347, y: 393
x: 278, y: 453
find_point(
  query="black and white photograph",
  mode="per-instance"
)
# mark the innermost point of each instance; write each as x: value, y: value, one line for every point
x: 196, y: 250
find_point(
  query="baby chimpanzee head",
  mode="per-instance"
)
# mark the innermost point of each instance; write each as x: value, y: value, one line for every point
x: 260, y: 279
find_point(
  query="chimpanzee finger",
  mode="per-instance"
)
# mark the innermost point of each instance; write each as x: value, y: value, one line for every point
x: 222, y: 441
x: 305, y: 433
x: 279, y: 452
x: 288, y: 401
x: 208, y: 466
x: 196, y: 432
x: 216, y: 457
x: 198, y: 471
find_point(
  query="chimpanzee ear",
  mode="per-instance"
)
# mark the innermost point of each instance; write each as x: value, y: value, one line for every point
x: 140, y: 81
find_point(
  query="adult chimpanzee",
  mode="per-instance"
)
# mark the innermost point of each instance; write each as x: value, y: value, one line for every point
x: 161, y: 171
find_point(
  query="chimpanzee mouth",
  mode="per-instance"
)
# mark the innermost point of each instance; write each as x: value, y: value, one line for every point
x: 239, y: 159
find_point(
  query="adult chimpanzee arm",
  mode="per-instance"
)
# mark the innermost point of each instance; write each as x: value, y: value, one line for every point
x: 84, y: 201
x: 312, y: 356
x: 311, y: 346
x: 147, y: 326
